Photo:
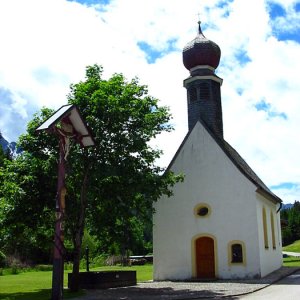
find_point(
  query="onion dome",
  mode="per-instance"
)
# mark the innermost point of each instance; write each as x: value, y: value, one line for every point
x: 201, y: 51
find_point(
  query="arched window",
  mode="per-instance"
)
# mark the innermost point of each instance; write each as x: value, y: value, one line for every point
x: 236, y: 253
x: 264, y: 217
x: 273, y: 230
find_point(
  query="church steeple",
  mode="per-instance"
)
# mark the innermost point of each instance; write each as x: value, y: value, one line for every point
x: 201, y: 57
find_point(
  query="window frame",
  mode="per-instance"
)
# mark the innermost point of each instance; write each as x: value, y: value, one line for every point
x: 230, y: 253
x: 198, y: 207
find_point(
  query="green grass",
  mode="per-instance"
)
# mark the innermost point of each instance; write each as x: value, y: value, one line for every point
x: 33, y: 285
x: 295, y: 247
x: 291, y: 261
x: 36, y: 285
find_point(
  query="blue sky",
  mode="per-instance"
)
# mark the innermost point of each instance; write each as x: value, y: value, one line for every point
x: 46, y: 45
x: 281, y: 16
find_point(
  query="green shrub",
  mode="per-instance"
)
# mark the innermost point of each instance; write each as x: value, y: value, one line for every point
x: 68, y: 266
x: 43, y: 267
x: 1, y: 272
x: 15, y: 270
x: 82, y: 264
x: 99, y: 260
x: 15, y: 264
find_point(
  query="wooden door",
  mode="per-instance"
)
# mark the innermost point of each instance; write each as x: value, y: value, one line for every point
x: 205, y: 257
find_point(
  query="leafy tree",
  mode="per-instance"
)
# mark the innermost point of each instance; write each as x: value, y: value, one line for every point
x: 118, y: 177
x: 291, y: 232
x: 26, y: 196
x: 2, y: 156
x: 110, y: 186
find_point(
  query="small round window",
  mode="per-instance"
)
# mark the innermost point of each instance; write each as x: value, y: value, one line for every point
x: 202, y: 210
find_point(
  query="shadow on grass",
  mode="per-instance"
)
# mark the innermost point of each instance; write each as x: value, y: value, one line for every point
x: 38, y: 295
x: 292, y: 261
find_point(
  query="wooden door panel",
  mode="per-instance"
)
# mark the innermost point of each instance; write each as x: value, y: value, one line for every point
x: 205, y: 257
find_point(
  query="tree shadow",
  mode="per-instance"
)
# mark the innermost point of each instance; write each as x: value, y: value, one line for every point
x: 37, y: 295
x: 273, y: 277
x: 138, y: 293
x: 44, y: 294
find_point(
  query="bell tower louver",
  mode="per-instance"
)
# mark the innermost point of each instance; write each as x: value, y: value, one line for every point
x: 201, y: 57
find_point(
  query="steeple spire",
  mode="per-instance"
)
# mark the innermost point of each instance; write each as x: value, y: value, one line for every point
x: 201, y: 57
x: 199, y: 28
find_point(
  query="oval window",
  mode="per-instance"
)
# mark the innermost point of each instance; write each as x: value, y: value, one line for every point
x: 202, y: 211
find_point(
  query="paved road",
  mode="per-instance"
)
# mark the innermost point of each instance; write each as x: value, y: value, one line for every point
x: 285, y: 289
x: 297, y: 254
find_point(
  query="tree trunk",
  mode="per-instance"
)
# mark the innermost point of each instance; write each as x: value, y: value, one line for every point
x: 74, y: 284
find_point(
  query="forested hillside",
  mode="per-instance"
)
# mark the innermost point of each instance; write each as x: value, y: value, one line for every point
x: 291, y: 224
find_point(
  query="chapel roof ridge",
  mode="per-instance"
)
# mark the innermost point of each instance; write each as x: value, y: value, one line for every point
x: 236, y: 159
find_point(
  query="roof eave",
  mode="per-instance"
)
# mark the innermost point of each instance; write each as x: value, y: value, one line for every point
x: 273, y: 198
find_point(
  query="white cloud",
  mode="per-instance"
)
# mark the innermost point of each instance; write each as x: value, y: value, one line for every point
x: 46, y: 45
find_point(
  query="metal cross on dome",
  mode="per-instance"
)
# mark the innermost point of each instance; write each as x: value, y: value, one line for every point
x: 68, y: 124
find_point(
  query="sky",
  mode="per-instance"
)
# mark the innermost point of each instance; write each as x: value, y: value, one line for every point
x: 47, y: 44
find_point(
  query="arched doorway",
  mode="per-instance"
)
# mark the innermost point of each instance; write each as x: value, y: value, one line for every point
x: 205, y: 257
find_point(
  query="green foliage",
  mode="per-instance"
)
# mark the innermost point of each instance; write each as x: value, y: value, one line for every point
x: 27, y: 193
x: 291, y: 216
x: 99, y: 261
x: 26, y: 207
x: 43, y: 268
x: 2, y: 155
x: 90, y: 242
x: 111, y: 186
x: 123, y: 177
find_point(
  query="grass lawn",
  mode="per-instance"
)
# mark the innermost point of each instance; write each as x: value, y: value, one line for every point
x: 291, y: 261
x: 295, y: 247
x: 36, y: 285
x: 31, y: 285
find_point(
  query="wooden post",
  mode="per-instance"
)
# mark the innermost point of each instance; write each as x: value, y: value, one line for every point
x: 58, y: 261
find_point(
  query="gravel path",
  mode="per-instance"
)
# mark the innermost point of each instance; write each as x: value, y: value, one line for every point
x: 186, y: 290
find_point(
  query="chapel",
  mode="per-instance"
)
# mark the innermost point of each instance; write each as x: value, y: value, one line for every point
x: 222, y: 221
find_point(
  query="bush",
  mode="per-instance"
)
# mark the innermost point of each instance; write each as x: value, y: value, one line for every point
x: 68, y: 266
x: 99, y: 261
x: 2, y: 259
x: 15, y: 270
x: 44, y: 267
x: 15, y: 264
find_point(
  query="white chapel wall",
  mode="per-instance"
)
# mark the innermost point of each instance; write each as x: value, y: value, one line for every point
x: 270, y: 258
x: 210, y: 177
